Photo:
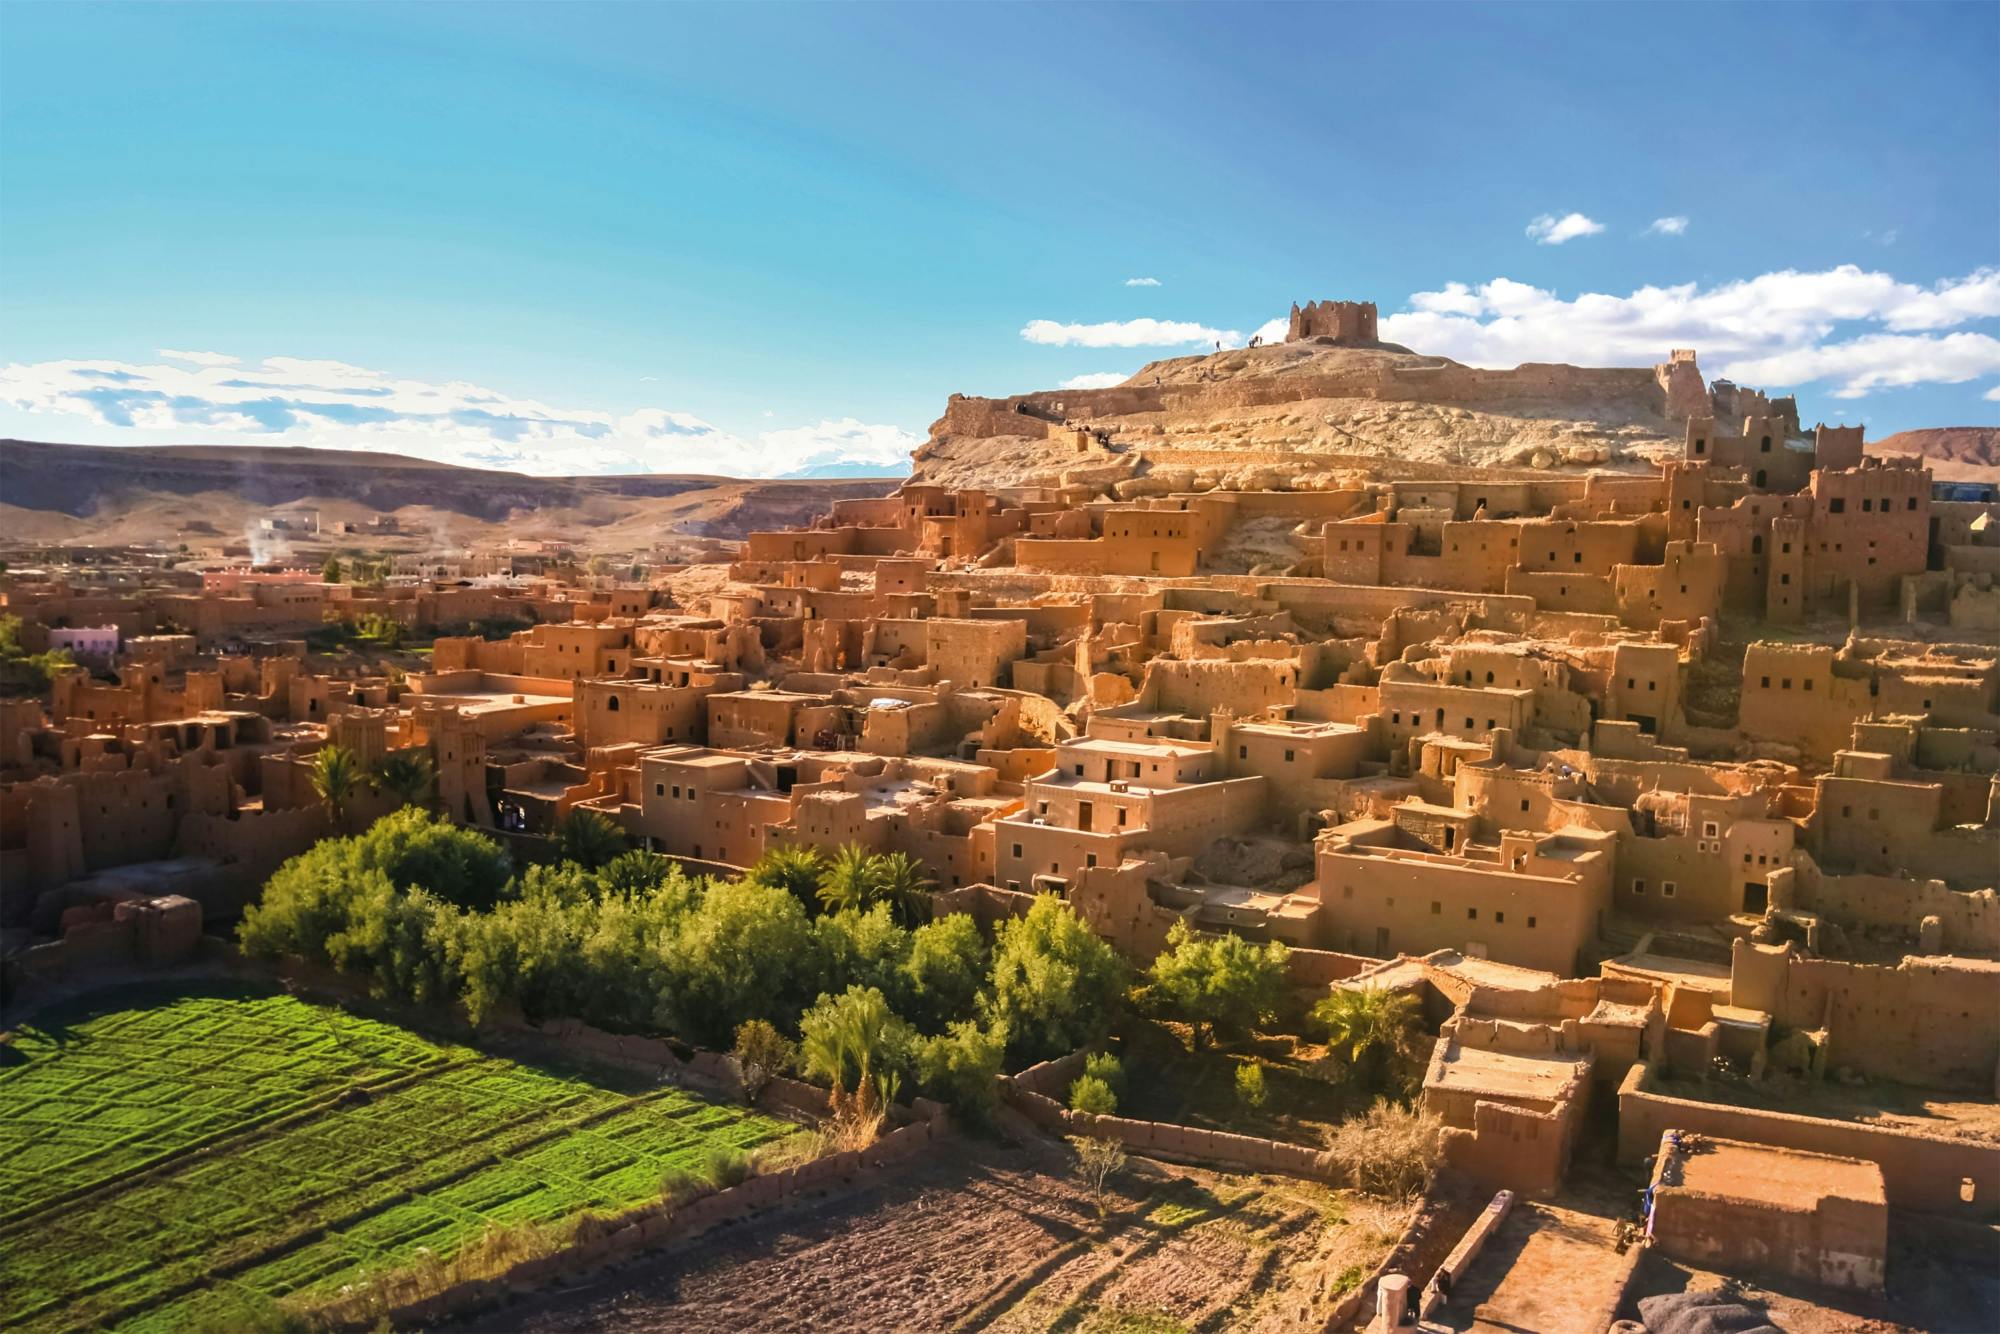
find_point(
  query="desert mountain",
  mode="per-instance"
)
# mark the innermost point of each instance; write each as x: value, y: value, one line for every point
x: 1956, y: 453
x: 100, y: 494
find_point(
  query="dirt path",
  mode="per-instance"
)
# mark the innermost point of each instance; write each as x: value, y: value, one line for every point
x: 1002, y: 1238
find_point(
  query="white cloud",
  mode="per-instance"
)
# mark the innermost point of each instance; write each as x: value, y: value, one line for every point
x: 330, y: 404
x: 1142, y: 282
x: 1272, y: 331
x: 1125, y: 333
x: 1992, y: 395
x: 1095, y: 380
x: 1551, y: 230
x: 1675, y: 226
x: 1775, y: 330
x: 198, y: 358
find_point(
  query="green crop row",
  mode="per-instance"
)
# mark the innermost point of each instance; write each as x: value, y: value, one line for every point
x: 320, y: 1162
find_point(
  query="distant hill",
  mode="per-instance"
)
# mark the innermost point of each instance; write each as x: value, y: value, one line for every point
x: 109, y: 494
x: 1956, y: 453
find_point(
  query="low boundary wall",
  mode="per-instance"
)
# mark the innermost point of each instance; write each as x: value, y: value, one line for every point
x: 662, y: 1225
x: 1922, y: 1172
x: 1039, y: 1091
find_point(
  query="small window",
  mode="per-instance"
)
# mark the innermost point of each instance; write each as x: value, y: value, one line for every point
x: 1668, y: 889
x: 1243, y: 752
x: 659, y: 789
x: 1531, y: 923
x: 1524, y: 803
x: 1638, y: 887
x: 1288, y: 757
x: 1437, y: 908
x: 1499, y: 919
x: 1017, y: 849
x: 1472, y: 914
x: 1838, y: 505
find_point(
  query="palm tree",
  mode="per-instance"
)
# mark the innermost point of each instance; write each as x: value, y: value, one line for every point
x: 849, y: 882
x: 408, y: 776
x: 589, y: 839
x: 1369, y: 1026
x: 336, y: 776
x: 900, y: 882
x: 797, y: 870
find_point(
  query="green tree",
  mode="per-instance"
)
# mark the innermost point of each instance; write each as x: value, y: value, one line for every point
x: 961, y: 1068
x: 1056, y: 985
x: 408, y: 776
x: 946, y: 967
x: 899, y: 881
x: 865, y: 949
x: 1374, y: 1030
x: 856, y: 1043
x: 330, y: 572
x: 34, y: 671
x: 337, y: 778
x: 797, y: 870
x: 1220, y: 983
x: 849, y: 880
x: 590, y: 839
x: 745, y: 951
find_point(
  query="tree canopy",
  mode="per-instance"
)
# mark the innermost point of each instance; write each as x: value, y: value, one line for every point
x: 1219, y: 983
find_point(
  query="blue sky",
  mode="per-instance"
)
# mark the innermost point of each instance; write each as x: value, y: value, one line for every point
x: 761, y: 237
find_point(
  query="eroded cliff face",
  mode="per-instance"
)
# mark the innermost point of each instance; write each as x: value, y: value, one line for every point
x: 1316, y: 412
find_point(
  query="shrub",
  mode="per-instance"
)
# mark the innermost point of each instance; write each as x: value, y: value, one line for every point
x: 725, y: 1165
x: 762, y: 1054
x: 1250, y: 1084
x: 1103, y: 1065
x: 1091, y: 1094
x: 1097, y: 1161
x: 1392, y: 1150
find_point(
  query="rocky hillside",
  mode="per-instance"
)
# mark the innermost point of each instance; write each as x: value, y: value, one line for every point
x: 83, y: 493
x: 1956, y: 453
x: 1316, y: 411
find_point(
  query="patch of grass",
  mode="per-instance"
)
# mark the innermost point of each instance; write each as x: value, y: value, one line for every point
x: 199, y: 1157
x: 1117, y: 1320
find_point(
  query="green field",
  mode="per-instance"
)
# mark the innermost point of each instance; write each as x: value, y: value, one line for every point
x: 177, y: 1158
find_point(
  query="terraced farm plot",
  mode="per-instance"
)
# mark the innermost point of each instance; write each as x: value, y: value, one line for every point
x: 185, y: 1158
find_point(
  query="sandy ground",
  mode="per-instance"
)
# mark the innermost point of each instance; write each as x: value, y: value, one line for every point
x: 994, y: 1237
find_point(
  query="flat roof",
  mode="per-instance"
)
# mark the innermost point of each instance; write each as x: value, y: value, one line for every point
x: 1786, y: 1178
x: 1509, y: 1074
